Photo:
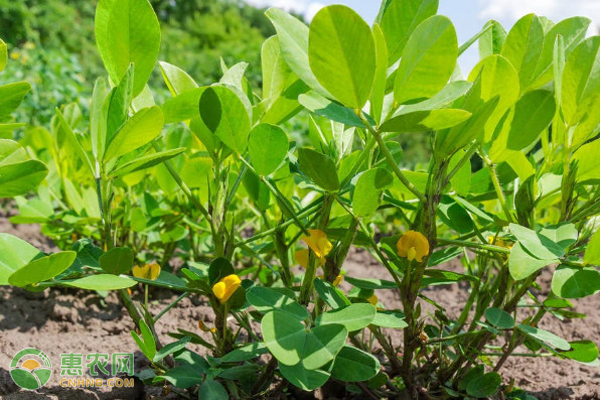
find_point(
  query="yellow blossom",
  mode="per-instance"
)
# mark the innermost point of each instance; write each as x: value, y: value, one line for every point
x: 226, y: 287
x: 500, y: 242
x: 338, y: 279
x: 373, y: 300
x: 301, y: 257
x: 318, y: 243
x: 413, y: 245
x: 147, y: 271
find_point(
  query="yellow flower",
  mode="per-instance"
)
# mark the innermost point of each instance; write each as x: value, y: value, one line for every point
x: 226, y: 287
x: 15, y: 55
x: 301, y: 257
x: 318, y: 243
x: 373, y: 300
x: 413, y: 245
x: 338, y: 279
x: 148, y: 271
x: 500, y: 242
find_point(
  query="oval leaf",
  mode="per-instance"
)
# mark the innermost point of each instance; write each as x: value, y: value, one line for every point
x: 353, y: 317
x: 341, y: 52
x: 284, y: 336
x: 268, y: 145
x: 428, y: 60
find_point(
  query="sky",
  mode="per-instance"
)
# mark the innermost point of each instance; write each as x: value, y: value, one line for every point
x: 468, y: 16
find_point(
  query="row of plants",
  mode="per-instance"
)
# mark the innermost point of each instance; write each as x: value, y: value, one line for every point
x: 210, y: 177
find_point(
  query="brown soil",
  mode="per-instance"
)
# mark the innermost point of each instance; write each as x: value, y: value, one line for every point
x: 69, y: 321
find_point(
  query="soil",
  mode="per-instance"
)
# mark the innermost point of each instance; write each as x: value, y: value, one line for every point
x: 71, y: 321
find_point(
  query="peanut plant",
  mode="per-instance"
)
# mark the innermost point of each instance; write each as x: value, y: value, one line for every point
x: 263, y: 217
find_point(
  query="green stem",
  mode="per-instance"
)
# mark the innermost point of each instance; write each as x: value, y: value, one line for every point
x: 390, y: 159
x: 171, y: 305
x: 283, y: 202
x: 497, y: 187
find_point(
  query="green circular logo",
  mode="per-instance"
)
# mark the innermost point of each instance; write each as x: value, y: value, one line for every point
x: 30, y: 369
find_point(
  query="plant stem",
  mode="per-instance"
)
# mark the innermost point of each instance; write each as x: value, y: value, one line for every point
x: 390, y: 159
x: 497, y: 186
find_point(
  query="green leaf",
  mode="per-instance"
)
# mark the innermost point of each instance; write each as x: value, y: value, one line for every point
x: 370, y: 283
x: 331, y: 295
x: 275, y: 71
x: 142, y: 128
x: 538, y: 245
x: 581, y: 81
x: 454, y: 215
x: 592, y: 252
x: 564, y: 234
x: 3, y: 55
x: 147, y: 343
x: 584, y: 351
x: 588, y: 168
x: 182, y: 377
x: 353, y: 317
x: 498, y: 78
x: 545, y: 336
x: 178, y: 81
x: 322, y: 344
x: 499, y: 318
x: 571, y: 31
x: 461, y: 181
x: 305, y: 379
x: 72, y: 139
x: 319, y: 168
x: 428, y: 60
x: 575, y: 283
x: 11, y: 95
x: 293, y: 41
x: 367, y: 192
x: 245, y: 353
x: 19, y: 178
x: 268, y: 146
x: 354, y: 365
x: 523, y: 47
x: 400, y: 19
x: 533, y: 114
x: 267, y: 299
x: 145, y: 162
x: 212, y: 390
x: 171, y: 348
x: 117, y: 260
x: 42, y: 269
x: 284, y: 336
x: 425, y: 121
x: 219, y: 268
x: 381, y: 74
x: 492, y: 40
x: 101, y: 282
x: 182, y: 107
x: 226, y: 116
x: 341, y: 52
x: 115, y: 111
x: 390, y: 319
x: 485, y: 385
x: 127, y: 31
x: 521, y: 264
x: 326, y: 108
